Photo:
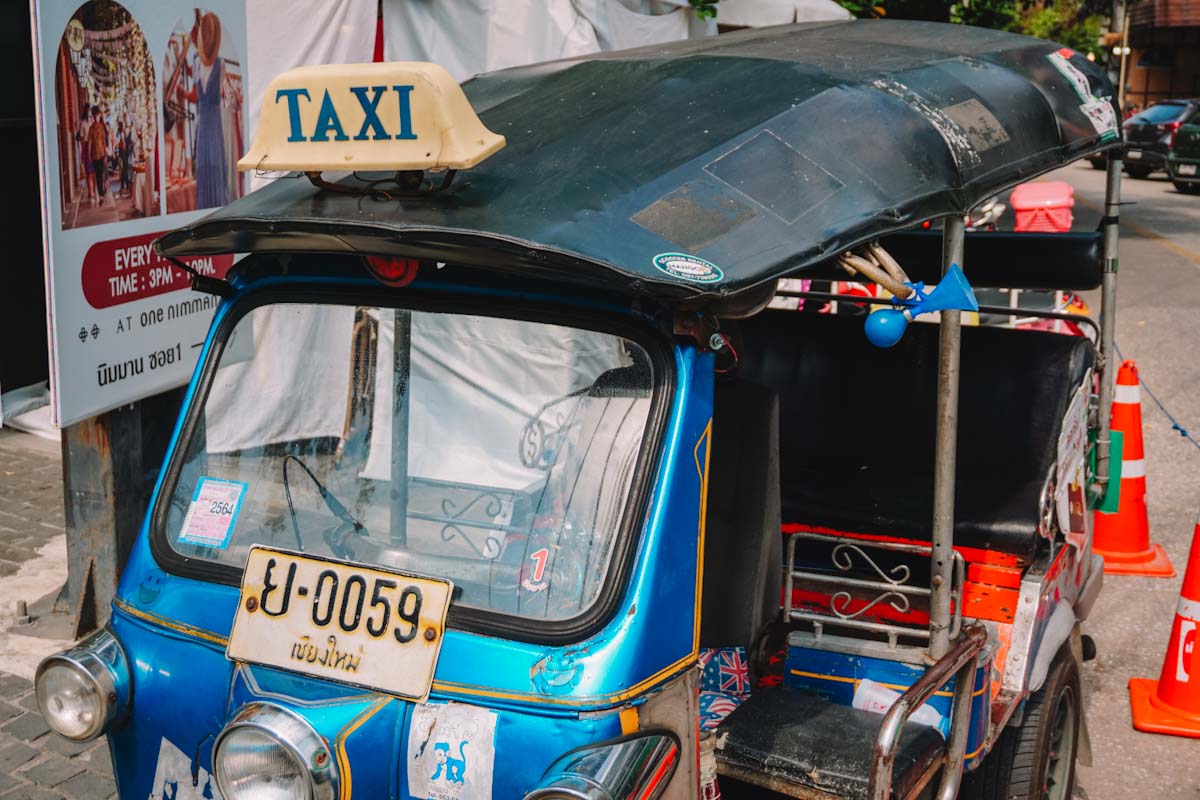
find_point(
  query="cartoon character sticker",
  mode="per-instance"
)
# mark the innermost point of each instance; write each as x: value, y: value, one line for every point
x: 451, y: 752
x: 173, y: 777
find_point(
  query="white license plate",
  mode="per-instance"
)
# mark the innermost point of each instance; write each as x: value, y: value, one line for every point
x: 346, y: 622
x: 1186, y: 169
x: 1133, y: 155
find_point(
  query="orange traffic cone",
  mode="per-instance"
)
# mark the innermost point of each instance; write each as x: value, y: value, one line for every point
x: 1171, y: 704
x: 1123, y: 538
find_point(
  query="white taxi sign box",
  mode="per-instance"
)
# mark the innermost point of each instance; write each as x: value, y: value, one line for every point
x: 406, y: 115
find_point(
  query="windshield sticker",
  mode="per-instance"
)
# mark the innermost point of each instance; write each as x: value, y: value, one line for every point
x: 1103, y: 116
x: 1070, y: 472
x: 213, y: 512
x: 1098, y: 110
x: 174, y: 776
x: 688, y: 268
x: 451, y: 752
x: 1079, y: 81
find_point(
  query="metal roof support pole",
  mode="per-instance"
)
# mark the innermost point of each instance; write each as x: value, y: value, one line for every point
x: 1108, y: 323
x: 402, y: 368
x: 945, y: 452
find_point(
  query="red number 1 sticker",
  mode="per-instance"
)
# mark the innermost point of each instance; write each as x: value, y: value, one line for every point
x: 534, y: 582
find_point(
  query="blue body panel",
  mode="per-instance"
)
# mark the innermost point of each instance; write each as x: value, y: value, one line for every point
x: 175, y: 630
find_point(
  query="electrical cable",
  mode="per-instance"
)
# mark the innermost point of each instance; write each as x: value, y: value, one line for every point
x: 332, y: 503
x: 1170, y: 417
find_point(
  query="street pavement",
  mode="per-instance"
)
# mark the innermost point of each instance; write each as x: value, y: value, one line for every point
x: 1158, y: 317
x: 34, y: 763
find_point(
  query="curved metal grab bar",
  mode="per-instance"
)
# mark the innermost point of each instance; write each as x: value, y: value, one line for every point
x: 961, y: 661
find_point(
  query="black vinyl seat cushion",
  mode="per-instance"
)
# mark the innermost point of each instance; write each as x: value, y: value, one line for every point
x: 801, y: 739
x: 857, y: 424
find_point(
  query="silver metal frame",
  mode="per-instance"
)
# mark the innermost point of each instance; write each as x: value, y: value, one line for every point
x: 946, y: 452
x: 959, y: 661
x: 1108, y: 322
x: 294, y: 733
x: 893, y: 586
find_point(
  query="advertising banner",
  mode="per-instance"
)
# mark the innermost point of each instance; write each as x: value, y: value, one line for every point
x: 141, y: 119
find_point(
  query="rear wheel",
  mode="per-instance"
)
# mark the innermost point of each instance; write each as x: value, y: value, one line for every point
x: 1138, y: 172
x: 1036, y: 760
x: 1098, y: 163
x: 1187, y: 188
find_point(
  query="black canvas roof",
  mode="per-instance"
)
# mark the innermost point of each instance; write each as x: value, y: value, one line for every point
x: 760, y: 152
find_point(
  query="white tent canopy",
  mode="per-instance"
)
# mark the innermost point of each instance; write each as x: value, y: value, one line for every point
x: 758, y: 13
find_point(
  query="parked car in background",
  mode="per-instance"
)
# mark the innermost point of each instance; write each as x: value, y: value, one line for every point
x: 1148, y: 135
x: 1183, y: 160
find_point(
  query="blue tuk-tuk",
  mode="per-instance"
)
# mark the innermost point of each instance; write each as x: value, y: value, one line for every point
x: 499, y: 476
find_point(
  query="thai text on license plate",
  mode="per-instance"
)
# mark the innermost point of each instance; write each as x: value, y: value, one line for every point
x: 345, y: 622
x: 1186, y: 169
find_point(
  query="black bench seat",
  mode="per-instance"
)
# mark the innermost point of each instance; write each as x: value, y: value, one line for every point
x: 839, y: 398
x: 803, y: 745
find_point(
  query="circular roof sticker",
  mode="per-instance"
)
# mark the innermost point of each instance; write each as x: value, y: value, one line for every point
x: 688, y: 268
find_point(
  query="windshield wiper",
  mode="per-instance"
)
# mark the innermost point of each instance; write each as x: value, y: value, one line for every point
x: 334, y: 505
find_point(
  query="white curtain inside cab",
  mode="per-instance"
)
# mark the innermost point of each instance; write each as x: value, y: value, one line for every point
x: 475, y: 382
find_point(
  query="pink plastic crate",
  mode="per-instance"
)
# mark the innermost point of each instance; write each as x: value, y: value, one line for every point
x: 1044, y: 206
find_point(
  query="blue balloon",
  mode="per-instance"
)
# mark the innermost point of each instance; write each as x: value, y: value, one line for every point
x: 885, y: 327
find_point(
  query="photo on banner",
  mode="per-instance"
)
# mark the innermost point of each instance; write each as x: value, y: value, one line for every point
x: 140, y: 122
x: 107, y: 125
x: 204, y: 131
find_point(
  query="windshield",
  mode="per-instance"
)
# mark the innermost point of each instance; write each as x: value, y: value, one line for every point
x: 1160, y: 114
x: 494, y: 453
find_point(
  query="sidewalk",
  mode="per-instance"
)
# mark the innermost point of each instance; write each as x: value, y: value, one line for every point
x: 34, y: 763
x: 38, y: 765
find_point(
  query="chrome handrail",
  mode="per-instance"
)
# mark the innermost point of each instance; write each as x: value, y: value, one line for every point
x: 960, y: 661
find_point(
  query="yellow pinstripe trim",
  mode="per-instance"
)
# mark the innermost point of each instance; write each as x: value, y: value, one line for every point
x: 172, y: 625
x: 343, y: 761
x: 896, y: 686
x: 978, y: 750
x: 440, y: 686
x: 706, y: 440
x: 617, y: 697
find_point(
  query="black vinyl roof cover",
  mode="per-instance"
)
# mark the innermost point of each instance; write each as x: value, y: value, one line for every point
x: 760, y: 152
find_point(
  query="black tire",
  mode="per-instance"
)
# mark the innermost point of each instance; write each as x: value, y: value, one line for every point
x: 1098, y: 163
x: 1140, y: 173
x: 1186, y: 188
x: 1019, y: 764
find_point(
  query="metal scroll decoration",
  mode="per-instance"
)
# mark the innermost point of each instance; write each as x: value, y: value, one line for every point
x: 899, y: 575
x: 840, y: 602
x: 453, y: 522
x: 544, y: 431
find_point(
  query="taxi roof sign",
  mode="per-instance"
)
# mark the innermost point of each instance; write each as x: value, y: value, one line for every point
x: 406, y: 115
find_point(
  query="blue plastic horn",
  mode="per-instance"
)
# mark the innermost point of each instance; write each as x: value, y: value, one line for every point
x: 885, y: 327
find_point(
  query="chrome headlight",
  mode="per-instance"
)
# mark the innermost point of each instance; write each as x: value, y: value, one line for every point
x: 269, y: 753
x: 637, y: 766
x: 82, y: 690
